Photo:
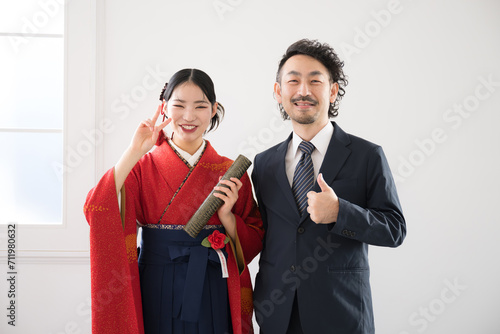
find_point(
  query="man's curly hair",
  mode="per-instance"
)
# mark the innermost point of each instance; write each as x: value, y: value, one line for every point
x: 326, y: 55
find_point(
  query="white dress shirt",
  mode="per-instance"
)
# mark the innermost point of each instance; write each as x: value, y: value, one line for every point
x: 293, y: 154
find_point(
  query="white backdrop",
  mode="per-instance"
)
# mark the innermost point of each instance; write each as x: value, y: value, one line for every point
x: 424, y: 82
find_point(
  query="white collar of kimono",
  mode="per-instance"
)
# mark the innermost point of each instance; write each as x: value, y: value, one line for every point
x: 191, y: 159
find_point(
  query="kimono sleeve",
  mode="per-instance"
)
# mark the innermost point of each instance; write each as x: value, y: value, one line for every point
x: 116, y: 300
x: 248, y: 221
x: 132, y: 190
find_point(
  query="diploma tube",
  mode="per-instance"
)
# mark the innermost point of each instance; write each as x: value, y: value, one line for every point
x: 211, y: 204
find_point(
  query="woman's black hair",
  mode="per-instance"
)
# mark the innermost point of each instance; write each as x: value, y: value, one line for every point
x: 200, y: 79
x: 326, y: 55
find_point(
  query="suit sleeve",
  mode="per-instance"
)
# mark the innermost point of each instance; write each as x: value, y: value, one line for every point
x: 380, y: 222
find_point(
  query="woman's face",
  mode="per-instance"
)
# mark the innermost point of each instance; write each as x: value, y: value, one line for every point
x: 191, y: 113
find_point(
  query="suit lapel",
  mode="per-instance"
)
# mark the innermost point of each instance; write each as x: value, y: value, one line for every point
x: 278, y: 166
x: 335, y: 157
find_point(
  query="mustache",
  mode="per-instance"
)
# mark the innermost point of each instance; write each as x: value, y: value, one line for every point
x: 304, y: 99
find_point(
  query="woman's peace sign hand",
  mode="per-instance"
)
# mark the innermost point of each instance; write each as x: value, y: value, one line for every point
x: 147, y: 133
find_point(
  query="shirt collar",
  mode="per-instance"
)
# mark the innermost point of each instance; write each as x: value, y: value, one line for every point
x: 320, y: 141
x: 188, y: 157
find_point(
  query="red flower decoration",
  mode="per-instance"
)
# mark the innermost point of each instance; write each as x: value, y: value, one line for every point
x: 217, y: 240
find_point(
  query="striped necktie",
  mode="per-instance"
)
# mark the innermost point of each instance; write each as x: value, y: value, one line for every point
x: 303, y: 178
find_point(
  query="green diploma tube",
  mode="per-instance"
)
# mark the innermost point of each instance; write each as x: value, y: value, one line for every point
x: 211, y: 204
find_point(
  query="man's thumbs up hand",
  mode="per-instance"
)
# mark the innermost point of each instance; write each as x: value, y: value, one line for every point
x: 323, y: 207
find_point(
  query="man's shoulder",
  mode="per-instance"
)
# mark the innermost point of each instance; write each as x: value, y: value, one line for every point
x: 362, y: 142
x: 353, y: 141
x: 271, y: 152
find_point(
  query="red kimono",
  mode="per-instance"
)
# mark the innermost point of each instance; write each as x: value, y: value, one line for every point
x: 162, y: 180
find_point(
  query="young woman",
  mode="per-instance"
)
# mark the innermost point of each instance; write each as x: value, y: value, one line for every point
x: 176, y: 284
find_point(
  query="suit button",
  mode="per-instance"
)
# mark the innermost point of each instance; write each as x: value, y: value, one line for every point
x: 345, y: 232
x: 300, y: 230
x: 292, y: 268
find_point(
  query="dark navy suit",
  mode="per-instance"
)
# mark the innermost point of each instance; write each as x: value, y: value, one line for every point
x: 325, y: 265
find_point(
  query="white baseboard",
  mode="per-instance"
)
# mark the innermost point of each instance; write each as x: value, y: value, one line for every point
x: 47, y: 257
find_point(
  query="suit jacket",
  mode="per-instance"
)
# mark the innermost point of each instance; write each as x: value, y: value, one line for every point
x: 326, y: 265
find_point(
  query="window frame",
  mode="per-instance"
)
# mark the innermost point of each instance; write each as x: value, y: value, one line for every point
x: 82, y: 106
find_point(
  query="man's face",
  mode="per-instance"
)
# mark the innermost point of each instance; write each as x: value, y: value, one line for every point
x: 305, y: 90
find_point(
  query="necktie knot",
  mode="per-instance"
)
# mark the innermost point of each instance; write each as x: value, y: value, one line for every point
x: 306, y: 147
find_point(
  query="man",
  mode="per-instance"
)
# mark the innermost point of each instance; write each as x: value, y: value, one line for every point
x: 324, y: 196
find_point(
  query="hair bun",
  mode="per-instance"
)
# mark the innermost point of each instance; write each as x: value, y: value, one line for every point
x: 163, y: 91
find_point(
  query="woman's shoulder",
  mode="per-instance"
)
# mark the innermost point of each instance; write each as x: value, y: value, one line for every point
x: 211, y: 154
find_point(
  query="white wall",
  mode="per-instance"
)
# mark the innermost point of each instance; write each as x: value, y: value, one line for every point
x: 52, y: 262
x: 412, y: 65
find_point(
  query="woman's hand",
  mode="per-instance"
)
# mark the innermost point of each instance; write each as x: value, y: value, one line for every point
x: 229, y: 196
x: 147, y: 133
x: 144, y: 139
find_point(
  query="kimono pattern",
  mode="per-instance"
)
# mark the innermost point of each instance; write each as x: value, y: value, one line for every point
x: 162, y: 191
